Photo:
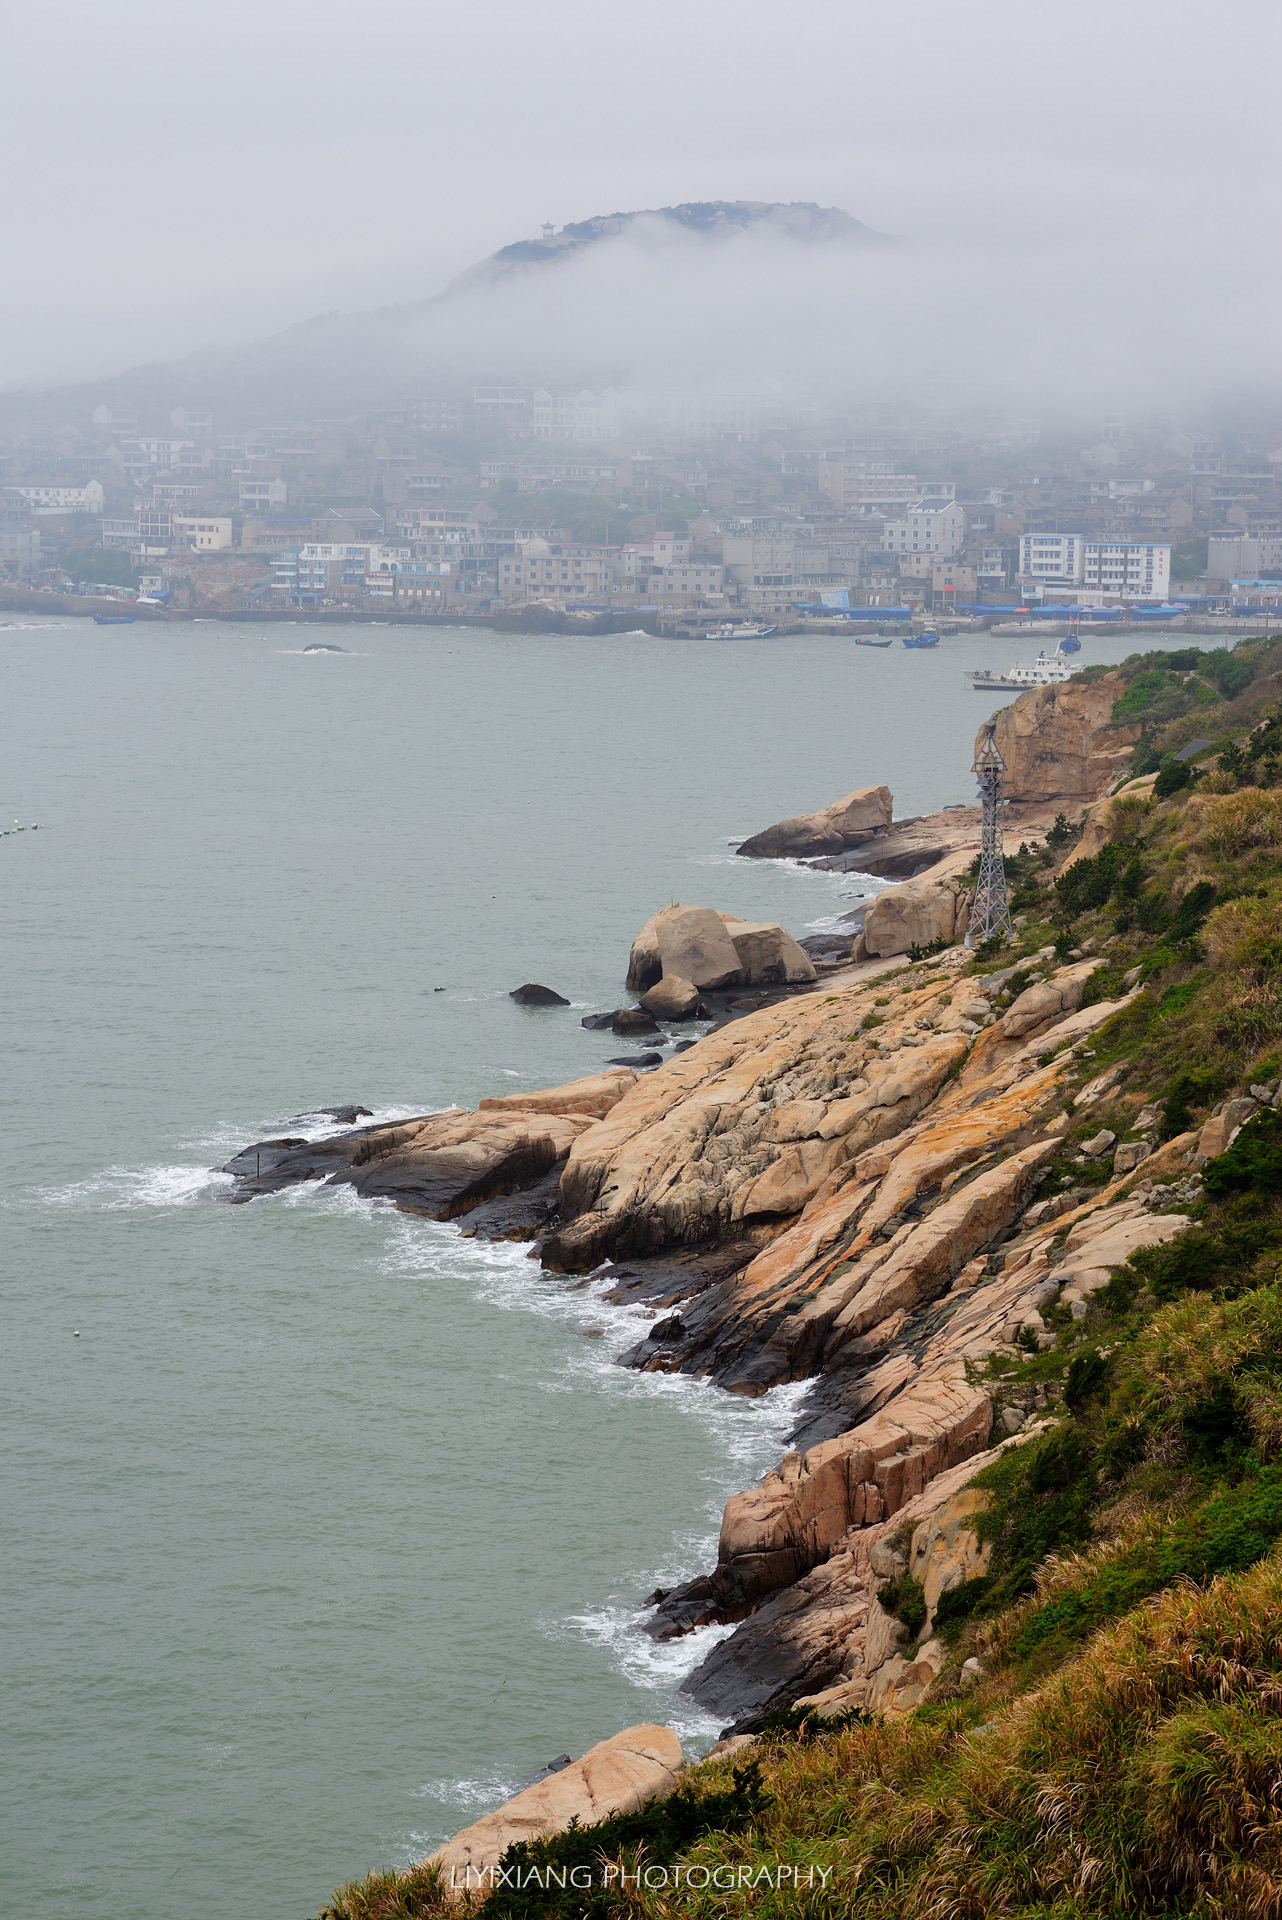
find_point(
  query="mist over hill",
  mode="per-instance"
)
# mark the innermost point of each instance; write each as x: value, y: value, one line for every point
x: 794, y: 299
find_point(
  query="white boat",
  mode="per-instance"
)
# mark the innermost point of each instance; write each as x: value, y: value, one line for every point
x: 729, y: 631
x: 1048, y: 670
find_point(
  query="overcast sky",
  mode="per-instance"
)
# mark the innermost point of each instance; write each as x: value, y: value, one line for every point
x: 178, y: 176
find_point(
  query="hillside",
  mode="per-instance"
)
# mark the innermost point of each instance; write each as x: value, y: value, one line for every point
x: 1072, y: 1706
x: 795, y: 222
x: 496, y: 321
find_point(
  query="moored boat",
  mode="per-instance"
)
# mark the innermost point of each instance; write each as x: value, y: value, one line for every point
x: 927, y: 638
x: 1048, y: 670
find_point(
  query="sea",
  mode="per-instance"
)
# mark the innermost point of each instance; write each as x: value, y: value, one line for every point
x: 325, y: 1527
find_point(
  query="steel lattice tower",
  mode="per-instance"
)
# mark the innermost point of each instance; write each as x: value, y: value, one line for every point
x: 990, y: 915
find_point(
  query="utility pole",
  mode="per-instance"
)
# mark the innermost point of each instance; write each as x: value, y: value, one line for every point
x: 990, y: 915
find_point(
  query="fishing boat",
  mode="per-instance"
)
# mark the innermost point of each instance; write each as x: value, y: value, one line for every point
x: 1048, y: 670
x: 113, y: 619
x: 729, y: 631
x: 927, y: 638
x: 873, y: 640
x: 1070, y: 643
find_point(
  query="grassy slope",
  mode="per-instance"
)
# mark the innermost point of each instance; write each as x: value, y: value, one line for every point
x: 1122, y: 1752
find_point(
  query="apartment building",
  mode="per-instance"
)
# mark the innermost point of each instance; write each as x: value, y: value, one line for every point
x: 1052, y: 559
x: 1238, y: 556
x: 204, y: 533
x: 1131, y: 570
x: 576, y: 416
x: 687, y: 580
x: 862, y: 488
x: 19, y: 547
x: 263, y: 496
x: 50, y: 500
x: 928, y: 528
x: 541, y: 569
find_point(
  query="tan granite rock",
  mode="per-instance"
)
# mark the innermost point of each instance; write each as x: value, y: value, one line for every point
x: 671, y: 998
x: 847, y: 822
x: 916, y: 914
x: 1059, y: 744
x: 618, y: 1775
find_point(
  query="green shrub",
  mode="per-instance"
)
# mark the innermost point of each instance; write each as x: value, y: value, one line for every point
x: 1226, y: 1535
x: 1172, y: 778
x: 1195, y: 1087
x: 1086, y: 1379
x: 1041, y: 1501
x: 1230, y: 672
x: 1254, y: 1161
x: 906, y: 1599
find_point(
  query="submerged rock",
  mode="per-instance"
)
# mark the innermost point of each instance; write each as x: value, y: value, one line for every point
x: 533, y: 995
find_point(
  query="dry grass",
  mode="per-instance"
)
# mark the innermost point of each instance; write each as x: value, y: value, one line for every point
x: 1145, y: 1778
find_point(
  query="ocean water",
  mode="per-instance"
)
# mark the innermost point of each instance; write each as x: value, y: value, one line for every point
x: 331, y: 1526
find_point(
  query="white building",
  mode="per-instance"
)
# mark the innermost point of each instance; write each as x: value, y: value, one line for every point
x: 261, y: 496
x: 204, y: 533
x: 1131, y: 570
x: 1052, y: 559
x: 46, y: 500
x: 576, y: 416
x: 927, y: 528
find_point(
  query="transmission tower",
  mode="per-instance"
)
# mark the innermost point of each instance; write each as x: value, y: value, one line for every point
x: 990, y: 915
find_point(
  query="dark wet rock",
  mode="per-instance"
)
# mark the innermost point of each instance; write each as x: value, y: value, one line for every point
x: 533, y: 995
x: 828, y: 946
x: 690, y: 1276
x: 600, y: 1022
x: 545, y: 1773
x: 793, y: 1645
x: 441, y: 1165
x: 518, y: 1216
x: 667, y: 1330
x: 316, y: 647
x: 639, y: 1062
x: 345, y: 1116
x: 683, y: 1046
x: 634, y: 1020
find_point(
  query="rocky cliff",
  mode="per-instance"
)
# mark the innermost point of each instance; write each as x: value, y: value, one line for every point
x: 1059, y: 743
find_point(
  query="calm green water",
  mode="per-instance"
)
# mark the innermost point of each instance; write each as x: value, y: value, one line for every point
x: 330, y: 1527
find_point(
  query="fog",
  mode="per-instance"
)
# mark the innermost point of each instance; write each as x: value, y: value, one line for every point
x: 1088, y: 199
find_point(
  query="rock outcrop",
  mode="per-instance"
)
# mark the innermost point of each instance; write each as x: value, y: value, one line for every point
x: 846, y: 823
x: 442, y: 1164
x: 919, y: 914
x: 706, y: 949
x: 1058, y: 743
x: 618, y: 1775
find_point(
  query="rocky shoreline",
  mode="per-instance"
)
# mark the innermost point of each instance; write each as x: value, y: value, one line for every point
x: 837, y: 1183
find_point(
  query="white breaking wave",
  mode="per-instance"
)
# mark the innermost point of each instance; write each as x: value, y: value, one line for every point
x: 118, y: 1189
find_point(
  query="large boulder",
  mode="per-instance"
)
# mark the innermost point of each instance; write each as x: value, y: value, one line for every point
x: 846, y: 823
x: 1059, y: 743
x: 672, y: 998
x: 619, y: 1775
x: 708, y: 949
x: 690, y: 942
x: 918, y: 914
x: 767, y: 955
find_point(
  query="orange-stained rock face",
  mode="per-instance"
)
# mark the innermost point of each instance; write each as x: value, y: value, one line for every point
x: 1059, y: 744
